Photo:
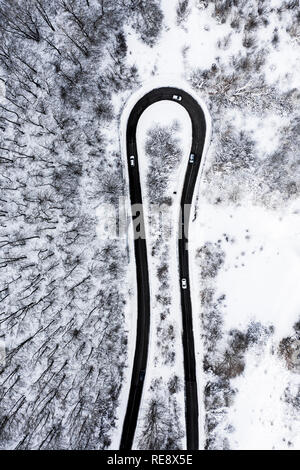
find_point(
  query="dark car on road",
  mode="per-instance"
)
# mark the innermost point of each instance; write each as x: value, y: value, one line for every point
x: 142, y: 375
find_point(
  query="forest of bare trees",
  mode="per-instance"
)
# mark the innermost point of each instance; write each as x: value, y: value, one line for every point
x: 62, y: 309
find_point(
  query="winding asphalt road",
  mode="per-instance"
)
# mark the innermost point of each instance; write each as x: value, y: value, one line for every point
x: 143, y: 293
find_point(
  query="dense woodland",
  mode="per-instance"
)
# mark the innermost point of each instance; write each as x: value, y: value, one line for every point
x: 62, y: 309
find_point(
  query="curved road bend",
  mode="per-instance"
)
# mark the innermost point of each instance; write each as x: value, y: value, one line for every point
x: 143, y: 294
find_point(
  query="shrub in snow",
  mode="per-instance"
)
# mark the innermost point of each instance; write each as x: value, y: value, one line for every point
x: 289, y: 349
x: 163, y: 154
x: 182, y: 11
x: 210, y: 258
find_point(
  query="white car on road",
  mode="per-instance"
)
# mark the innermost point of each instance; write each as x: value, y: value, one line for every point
x: 183, y: 283
x: 132, y: 160
x: 177, y: 97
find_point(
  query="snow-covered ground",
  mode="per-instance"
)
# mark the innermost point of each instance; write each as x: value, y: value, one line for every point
x: 259, y: 279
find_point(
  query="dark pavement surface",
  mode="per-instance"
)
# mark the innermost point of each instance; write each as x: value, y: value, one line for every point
x: 143, y: 293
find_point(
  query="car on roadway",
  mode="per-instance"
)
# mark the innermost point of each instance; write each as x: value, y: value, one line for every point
x: 142, y: 375
x: 132, y: 160
x: 192, y: 158
x: 183, y: 283
x: 177, y: 97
